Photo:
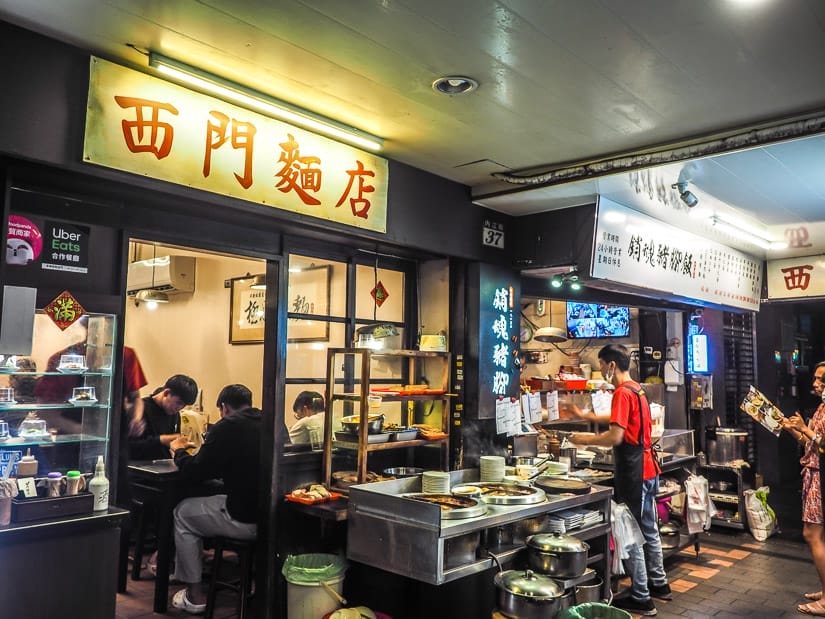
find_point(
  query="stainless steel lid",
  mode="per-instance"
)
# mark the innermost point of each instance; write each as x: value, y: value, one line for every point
x: 732, y: 431
x: 529, y: 584
x: 556, y: 542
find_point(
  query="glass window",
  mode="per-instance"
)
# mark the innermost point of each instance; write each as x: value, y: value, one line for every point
x: 317, y: 286
x: 391, y: 289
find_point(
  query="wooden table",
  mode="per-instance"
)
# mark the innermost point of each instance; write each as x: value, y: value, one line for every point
x: 158, y: 483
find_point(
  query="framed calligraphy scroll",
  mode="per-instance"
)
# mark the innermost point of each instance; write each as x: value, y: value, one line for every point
x: 308, y: 293
x: 246, y: 311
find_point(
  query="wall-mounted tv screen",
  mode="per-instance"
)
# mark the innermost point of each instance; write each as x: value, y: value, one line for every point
x: 585, y: 320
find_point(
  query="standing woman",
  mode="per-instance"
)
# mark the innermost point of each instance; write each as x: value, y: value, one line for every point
x: 307, y: 407
x: 812, y: 437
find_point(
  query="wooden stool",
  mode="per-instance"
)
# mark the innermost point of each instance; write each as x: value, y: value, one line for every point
x: 245, y: 549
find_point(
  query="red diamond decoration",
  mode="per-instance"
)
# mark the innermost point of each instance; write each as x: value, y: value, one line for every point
x: 380, y: 294
x: 64, y: 310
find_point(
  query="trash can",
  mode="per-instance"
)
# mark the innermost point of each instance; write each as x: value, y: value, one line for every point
x: 594, y: 610
x: 309, y: 578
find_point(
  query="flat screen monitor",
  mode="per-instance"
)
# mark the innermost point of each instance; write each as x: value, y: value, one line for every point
x: 587, y: 320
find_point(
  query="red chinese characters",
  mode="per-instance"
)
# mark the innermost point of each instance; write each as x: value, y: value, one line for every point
x: 297, y: 173
x: 360, y: 206
x: 160, y: 134
x: 797, y: 277
x: 242, y: 136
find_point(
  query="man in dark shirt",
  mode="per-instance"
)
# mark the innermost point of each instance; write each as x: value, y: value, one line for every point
x: 230, y: 452
x: 161, y: 417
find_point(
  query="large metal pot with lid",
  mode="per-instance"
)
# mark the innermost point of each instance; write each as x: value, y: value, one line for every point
x: 725, y: 445
x: 557, y: 555
x: 527, y: 595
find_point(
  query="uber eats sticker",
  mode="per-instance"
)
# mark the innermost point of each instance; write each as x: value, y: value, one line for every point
x: 65, y: 247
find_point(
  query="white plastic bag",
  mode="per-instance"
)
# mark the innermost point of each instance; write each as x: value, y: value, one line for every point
x: 626, y: 533
x: 761, y: 518
x: 699, y: 509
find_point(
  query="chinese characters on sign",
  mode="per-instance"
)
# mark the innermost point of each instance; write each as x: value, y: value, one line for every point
x: 24, y: 241
x: 502, y: 324
x: 635, y: 249
x: 493, y: 234
x: 64, y: 310
x: 145, y: 125
x: 796, y: 277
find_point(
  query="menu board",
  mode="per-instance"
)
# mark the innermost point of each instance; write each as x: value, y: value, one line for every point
x: 641, y: 251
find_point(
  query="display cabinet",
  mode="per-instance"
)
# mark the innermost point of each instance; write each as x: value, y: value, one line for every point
x: 56, y: 402
x: 405, y: 386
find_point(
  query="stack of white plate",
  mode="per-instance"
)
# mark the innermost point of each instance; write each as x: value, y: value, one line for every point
x: 435, y: 482
x: 491, y: 468
x: 557, y: 468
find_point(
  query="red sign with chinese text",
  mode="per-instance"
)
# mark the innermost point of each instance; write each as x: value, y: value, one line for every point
x: 380, y: 294
x: 64, y: 310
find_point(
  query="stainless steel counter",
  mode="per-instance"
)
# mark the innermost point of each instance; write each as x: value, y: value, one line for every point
x: 410, y: 537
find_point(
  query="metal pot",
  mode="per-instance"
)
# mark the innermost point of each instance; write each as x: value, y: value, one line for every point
x: 724, y: 445
x: 561, y: 556
x: 527, y: 595
x: 374, y: 423
x: 403, y: 471
x: 669, y: 534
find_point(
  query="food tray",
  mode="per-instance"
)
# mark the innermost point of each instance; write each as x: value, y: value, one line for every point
x: 452, y: 507
x: 510, y: 494
x: 404, y: 435
x: 333, y: 496
x: 86, y: 402
x: 351, y: 437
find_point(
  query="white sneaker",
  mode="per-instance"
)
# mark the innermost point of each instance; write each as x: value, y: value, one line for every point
x: 179, y: 600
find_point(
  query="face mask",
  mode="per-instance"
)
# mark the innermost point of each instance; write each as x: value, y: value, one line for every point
x: 609, y: 375
x: 822, y: 397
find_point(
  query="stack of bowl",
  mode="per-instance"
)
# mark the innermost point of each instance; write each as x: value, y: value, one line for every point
x: 491, y: 468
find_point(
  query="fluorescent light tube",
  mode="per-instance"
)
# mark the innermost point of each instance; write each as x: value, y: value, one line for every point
x: 263, y: 103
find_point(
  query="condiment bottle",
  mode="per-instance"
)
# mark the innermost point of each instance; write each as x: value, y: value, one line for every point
x: 99, y: 487
x: 27, y: 467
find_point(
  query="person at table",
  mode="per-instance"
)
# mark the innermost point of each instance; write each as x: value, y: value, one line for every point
x: 231, y: 452
x: 308, y: 408
x: 161, y: 418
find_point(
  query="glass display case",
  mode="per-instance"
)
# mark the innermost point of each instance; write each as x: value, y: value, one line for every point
x: 57, y: 401
x: 675, y: 444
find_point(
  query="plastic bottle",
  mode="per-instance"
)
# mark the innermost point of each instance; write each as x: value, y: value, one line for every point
x: 99, y: 487
x: 27, y: 467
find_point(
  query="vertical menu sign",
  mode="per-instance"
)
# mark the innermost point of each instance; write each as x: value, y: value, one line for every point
x: 498, y: 338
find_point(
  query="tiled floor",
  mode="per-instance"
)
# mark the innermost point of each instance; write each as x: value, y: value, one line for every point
x: 136, y: 603
x: 733, y: 576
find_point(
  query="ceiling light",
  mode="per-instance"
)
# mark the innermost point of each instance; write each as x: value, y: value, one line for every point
x: 258, y: 282
x: 688, y: 197
x: 151, y: 298
x: 455, y: 85
x: 745, y: 235
x: 263, y: 103
x: 550, y: 335
x: 556, y: 282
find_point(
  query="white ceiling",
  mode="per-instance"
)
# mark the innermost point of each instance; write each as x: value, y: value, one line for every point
x: 561, y: 82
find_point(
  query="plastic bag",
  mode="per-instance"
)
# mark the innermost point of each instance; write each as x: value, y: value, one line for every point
x: 313, y: 568
x: 594, y: 610
x: 761, y: 518
x: 626, y: 533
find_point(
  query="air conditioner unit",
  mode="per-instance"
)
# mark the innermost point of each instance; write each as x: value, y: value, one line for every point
x: 171, y: 274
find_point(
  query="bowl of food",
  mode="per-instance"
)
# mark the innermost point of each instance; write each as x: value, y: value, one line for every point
x: 351, y: 423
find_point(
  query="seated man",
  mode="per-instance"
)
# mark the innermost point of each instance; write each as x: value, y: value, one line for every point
x: 230, y: 452
x: 161, y: 418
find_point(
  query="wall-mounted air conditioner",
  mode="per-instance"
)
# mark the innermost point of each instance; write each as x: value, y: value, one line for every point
x: 170, y: 274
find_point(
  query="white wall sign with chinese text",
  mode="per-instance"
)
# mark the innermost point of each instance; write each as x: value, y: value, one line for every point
x: 145, y: 125
x: 796, y: 277
x: 635, y: 249
x: 493, y: 234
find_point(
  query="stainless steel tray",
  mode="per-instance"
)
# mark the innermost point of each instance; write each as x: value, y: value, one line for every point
x: 510, y: 494
x: 475, y: 507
